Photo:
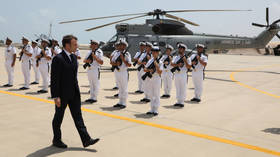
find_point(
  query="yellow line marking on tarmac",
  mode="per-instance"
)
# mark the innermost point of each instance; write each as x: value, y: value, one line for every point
x: 250, y: 87
x: 164, y: 127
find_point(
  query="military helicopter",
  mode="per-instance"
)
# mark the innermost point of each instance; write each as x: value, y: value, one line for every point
x: 173, y: 30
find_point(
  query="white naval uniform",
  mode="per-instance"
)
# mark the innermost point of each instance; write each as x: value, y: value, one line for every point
x: 166, y: 76
x: 94, y: 74
x: 9, y: 57
x: 139, y: 73
x: 146, y: 82
x: 36, y: 51
x: 122, y: 77
x: 112, y: 54
x: 197, y: 75
x: 25, y: 65
x: 44, y: 68
x: 57, y: 50
x: 154, y: 89
x: 180, y: 81
x: 78, y: 54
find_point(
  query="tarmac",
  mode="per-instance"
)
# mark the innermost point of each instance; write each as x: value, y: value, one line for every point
x: 238, y: 115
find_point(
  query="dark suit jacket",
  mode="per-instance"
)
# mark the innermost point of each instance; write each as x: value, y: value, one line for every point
x: 64, y: 82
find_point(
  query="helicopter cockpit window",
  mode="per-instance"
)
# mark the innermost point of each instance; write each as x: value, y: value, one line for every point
x: 113, y: 39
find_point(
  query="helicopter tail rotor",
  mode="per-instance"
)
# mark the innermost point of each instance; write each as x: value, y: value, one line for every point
x: 270, y: 26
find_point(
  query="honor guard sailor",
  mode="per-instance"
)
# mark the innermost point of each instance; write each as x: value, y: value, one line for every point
x: 10, y: 59
x: 43, y: 59
x: 142, y: 62
x: 117, y: 49
x: 35, y: 66
x: 25, y: 56
x: 180, y: 66
x: 167, y: 75
x: 199, y: 62
x: 153, y: 70
x: 93, y: 61
x: 136, y: 58
x: 120, y: 62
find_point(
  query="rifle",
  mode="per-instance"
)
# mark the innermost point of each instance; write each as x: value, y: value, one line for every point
x: 195, y: 60
x: 134, y: 64
x: 41, y: 56
x: 21, y: 52
x: 149, y: 74
x: 118, y: 60
x: 144, y: 60
x: 179, y: 61
x: 90, y: 58
x: 167, y: 59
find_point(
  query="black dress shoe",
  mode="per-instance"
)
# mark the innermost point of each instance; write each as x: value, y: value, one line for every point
x: 23, y: 88
x: 116, y: 95
x: 147, y: 100
x: 59, y: 144
x: 91, y: 101
x: 180, y: 105
x: 33, y: 83
x: 117, y: 105
x: 137, y: 92
x: 8, y: 85
x: 193, y: 99
x: 167, y: 96
x: 42, y: 91
x: 155, y: 114
x: 122, y: 106
x: 115, y: 88
x: 90, y: 142
x: 143, y: 100
x: 149, y: 113
x: 163, y: 96
x: 141, y: 92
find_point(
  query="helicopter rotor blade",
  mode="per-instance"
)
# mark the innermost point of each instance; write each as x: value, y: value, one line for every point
x: 278, y: 36
x: 179, y: 11
x: 258, y: 25
x: 104, y: 17
x: 276, y: 21
x: 181, y: 19
x: 267, y: 16
x: 108, y: 24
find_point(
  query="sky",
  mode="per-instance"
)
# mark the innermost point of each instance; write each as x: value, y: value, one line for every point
x: 29, y: 17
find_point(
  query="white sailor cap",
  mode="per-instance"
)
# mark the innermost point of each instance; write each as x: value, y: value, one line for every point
x: 124, y: 42
x: 181, y: 45
x: 142, y: 43
x: 92, y: 41
x: 149, y: 44
x: 45, y: 40
x: 169, y: 47
x: 8, y: 39
x: 117, y: 43
x: 200, y: 45
x: 155, y: 48
x: 34, y: 41
x: 24, y: 38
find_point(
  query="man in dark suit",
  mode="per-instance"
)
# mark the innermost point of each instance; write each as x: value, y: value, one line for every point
x: 65, y: 90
